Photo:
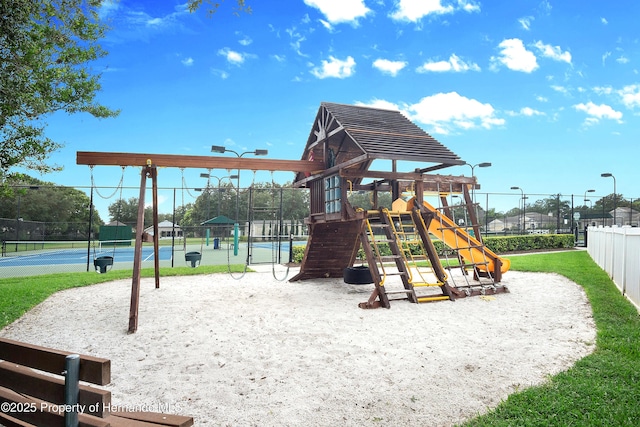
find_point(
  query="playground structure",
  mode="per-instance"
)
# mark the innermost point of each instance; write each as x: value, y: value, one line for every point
x: 348, y: 140
x: 344, y: 142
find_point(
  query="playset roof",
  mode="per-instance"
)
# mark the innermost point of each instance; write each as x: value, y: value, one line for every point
x: 351, y: 136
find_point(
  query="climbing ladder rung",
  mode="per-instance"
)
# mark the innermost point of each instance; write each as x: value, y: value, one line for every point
x: 403, y: 291
x: 433, y: 298
x: 425, y: 284
x: 378, y: 225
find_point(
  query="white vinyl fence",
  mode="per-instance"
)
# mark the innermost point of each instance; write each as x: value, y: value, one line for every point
x: 617, y: 251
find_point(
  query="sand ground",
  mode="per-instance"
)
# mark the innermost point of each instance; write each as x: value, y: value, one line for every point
x: 263, y: 352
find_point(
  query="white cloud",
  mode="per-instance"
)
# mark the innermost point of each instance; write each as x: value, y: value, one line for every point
x: 598, y: 112
x: 604, y: 21
x: 515, y: 56
x: 335, y: 67
x: 553, y: 52
x: 296, y: 40
x: 605, y: 56
x: 164, y: 21
x: 414, y: 10
x: 453, y: 64
x: 187, y: 62
x: 529, y: 112
x: 622, y: 60
x: 630, y: 96
x: 341, y: 11
x: 244, y: 39
x: 603, y: 90
x: 279, y: 58
x: 540, y: 98
x: 525, y: 22
x: 389, y: 67
x: 560, y: 89
x: 108, y: 8
x: 232, y: 56
x: 381, y: 104
x: 446, y: 112
x: 220, y: 73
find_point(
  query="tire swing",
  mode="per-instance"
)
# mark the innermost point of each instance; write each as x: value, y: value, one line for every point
x: 357, y: 275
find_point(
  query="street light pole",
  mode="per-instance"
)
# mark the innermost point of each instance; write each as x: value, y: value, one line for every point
x: 615, y: 204
x: 218, y: 187
x: 524, y: 207
x: 585, y: 197
x: 473, y: 189
x: 222, y: 149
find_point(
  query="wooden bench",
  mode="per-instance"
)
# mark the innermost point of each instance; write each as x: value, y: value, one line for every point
x: 32, y: 398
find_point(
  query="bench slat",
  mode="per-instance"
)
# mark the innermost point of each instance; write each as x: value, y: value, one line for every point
x: 40, y: 418
x: 156, y: 418
x: 94, y: 370
x: 25, y: 387
x: 51, y: 389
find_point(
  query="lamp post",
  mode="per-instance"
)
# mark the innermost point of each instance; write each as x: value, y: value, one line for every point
x: 208, y: 176
x: 524, y: 206
x: 230, y: 177
x: 18, y: 217
x: 585, y: 198
x: 479, y: 165
x: 222, y: 149
x: 610, y: 175
x: 473, y: 189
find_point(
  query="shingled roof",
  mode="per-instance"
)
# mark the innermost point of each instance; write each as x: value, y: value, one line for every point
x: 355, y: 136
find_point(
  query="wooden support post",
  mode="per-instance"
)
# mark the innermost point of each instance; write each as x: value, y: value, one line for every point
x: 137, y: 255
x: 471, y: 211
x: 422, y: 220
x: 156, y: 246
x: 446, y: 211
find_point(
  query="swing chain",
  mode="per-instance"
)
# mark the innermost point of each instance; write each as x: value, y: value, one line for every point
x: 118, y: 187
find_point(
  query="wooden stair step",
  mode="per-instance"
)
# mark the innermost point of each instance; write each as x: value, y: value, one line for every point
x: 425, y: 284
x: 403, y: 291
x: 433, y: 298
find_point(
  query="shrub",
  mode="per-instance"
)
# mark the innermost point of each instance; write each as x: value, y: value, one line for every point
x: 499, y: 245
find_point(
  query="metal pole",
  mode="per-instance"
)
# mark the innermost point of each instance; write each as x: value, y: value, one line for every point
x: 486, y: 216
x: 71, y: 389
x: 90, y: 227
x: 173, y: 227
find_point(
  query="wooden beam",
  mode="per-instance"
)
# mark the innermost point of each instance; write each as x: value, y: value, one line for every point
x: 205, y: 162
x: 407, y: 176
x: 92, y: 369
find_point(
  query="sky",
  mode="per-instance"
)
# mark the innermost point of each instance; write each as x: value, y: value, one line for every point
x: 546, y: 91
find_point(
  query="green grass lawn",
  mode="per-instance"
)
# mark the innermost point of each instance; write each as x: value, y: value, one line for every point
x: 602, y: 389
x: 20, y: 294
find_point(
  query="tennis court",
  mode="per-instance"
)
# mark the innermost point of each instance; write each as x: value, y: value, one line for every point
x: 39, y: 258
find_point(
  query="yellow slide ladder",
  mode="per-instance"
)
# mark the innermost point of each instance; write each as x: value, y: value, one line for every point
x: 411, y: 249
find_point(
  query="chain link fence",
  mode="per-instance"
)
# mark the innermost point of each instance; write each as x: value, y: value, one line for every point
x: 270, y: 220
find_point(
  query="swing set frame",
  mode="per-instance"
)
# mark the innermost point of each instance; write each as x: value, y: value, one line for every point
x: 150, y: 164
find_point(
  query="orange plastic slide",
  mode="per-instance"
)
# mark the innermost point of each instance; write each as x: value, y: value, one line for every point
x: 445, y: 229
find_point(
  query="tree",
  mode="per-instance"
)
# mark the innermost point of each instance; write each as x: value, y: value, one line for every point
x: 64, y: 211
x: 45, y: 48
x: 194, y: 5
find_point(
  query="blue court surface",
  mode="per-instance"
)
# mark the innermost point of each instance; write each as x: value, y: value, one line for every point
x: 78, y: 256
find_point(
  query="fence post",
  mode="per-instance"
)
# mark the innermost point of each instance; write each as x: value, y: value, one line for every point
x: 71, y: 389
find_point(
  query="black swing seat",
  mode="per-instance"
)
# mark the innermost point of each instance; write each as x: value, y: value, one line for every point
x: 193, y: 258
x: 102, y: 262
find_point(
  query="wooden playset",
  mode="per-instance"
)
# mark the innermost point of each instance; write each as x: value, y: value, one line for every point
x: 344, y: 143
x: 348, y: 140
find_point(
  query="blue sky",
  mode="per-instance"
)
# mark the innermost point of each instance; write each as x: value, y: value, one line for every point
x: 547, y: 91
